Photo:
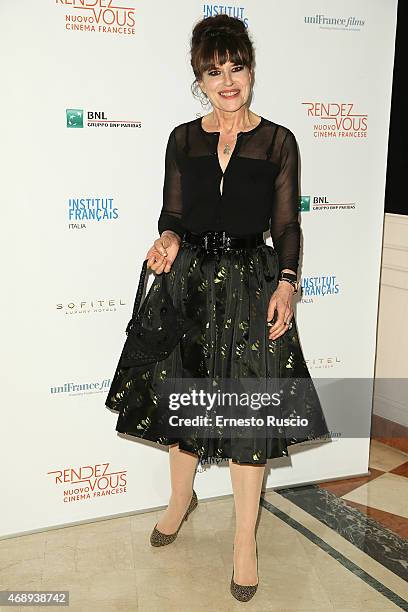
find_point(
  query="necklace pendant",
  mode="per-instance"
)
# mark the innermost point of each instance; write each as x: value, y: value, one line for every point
x: 227, y: 149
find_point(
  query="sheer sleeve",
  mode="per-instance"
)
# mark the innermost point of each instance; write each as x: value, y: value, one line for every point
x: 171, y: 213
x: 284, y: 222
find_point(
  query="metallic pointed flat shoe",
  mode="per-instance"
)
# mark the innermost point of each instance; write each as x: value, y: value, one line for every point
x: 243, y: 592
x: 157, y: 538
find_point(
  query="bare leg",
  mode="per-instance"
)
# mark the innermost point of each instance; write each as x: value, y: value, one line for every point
x: 182, y: 470
x: 246, y: 483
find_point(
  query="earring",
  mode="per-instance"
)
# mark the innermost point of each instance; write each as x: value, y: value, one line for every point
x: 204, y: 99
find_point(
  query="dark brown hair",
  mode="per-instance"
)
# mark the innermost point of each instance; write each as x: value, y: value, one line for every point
x: 219, y: 39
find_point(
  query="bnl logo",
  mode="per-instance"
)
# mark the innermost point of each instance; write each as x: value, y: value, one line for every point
x: 75, y: 117
x: 304, y: 203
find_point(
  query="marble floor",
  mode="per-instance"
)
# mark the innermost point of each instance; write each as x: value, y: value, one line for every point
x: 338, y: 546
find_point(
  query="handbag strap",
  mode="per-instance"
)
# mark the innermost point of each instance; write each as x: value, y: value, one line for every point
x: 140, y: 288
x: 141, y: 285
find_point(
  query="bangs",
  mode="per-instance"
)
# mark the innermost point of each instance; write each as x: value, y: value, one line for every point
x: 217, y: 50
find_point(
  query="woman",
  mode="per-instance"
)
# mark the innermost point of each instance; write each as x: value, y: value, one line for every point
x: 229, y: 176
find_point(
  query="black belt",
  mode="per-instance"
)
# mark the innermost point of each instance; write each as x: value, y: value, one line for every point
x: 214, y: 240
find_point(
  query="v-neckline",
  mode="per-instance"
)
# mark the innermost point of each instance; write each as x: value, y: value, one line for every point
x: 218, y: 133
x: 230, y: 155
x: 223, y: 172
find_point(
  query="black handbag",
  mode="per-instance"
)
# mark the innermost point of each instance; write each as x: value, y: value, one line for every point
x: 145, y: 345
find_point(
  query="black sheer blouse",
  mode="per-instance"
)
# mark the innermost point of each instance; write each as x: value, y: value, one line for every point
x: 259, y: 190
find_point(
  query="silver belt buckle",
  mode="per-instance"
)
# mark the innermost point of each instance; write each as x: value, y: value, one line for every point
x: 215, y: 240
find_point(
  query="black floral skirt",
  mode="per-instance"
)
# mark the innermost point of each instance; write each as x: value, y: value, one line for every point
x: 227, y: 295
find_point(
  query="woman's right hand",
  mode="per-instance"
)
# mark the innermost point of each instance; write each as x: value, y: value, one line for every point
x: 161, y: 255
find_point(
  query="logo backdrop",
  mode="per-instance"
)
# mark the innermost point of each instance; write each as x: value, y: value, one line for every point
x: 91, y: 93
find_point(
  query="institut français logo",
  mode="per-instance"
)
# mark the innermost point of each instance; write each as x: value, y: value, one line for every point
x: 239, y: 12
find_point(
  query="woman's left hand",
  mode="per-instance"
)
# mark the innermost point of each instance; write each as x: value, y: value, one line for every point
x: 281, y: 300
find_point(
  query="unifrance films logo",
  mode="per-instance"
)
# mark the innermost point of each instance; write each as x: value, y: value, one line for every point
x: 99, y: 16
x: 90, y: 210
x: 319, y: 287
x: 335, y: 23
x: 336, y: 120
x: 210, y: 10
x: 87, y: 388
x: 323, y: 203
x: 75, y: 120
x: 87, y: 482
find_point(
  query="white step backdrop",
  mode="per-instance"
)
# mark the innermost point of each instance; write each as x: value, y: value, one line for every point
x: 68, y: 284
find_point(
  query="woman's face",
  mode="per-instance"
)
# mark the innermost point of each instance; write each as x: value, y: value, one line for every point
x: 228, y: 87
